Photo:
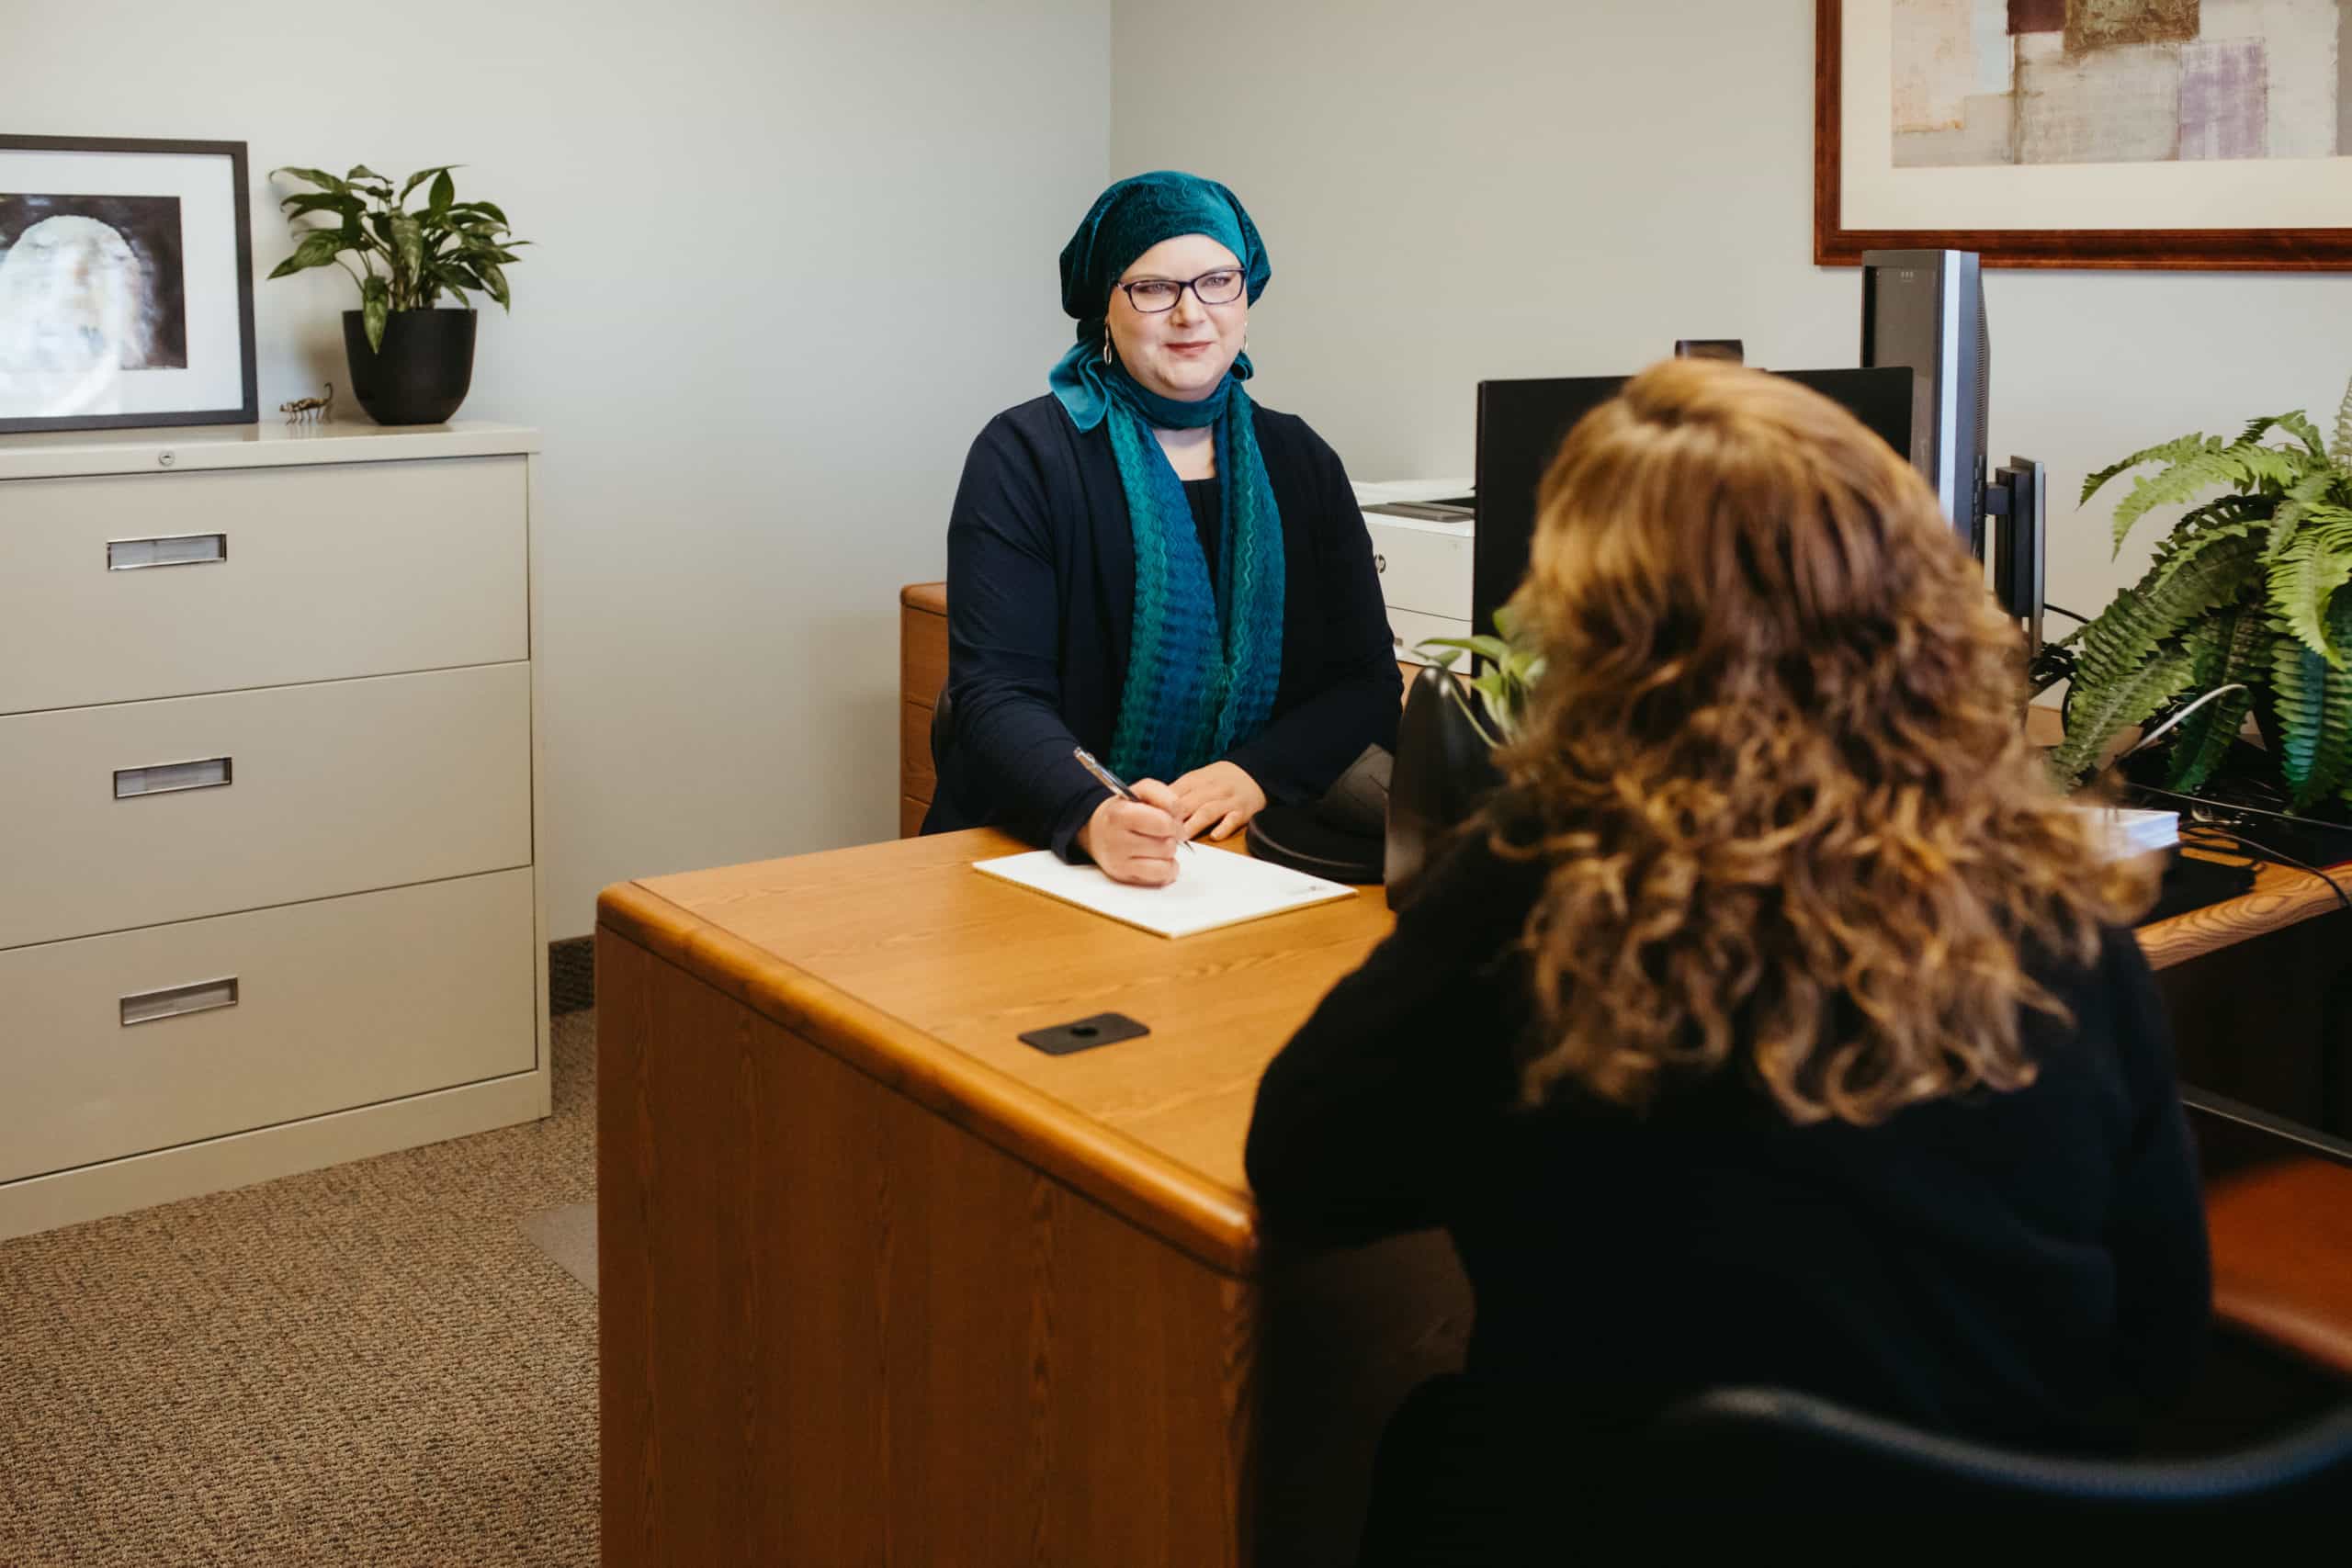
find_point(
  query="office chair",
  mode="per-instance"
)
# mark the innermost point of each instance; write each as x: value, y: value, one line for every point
x: 1756, y: 1448
x: 942, y: 725
x: 1474, y: 1473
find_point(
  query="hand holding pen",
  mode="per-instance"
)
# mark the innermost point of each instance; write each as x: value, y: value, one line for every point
x: 1136, y: 835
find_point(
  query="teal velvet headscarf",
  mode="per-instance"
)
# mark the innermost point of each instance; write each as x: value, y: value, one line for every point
x: 1204, y: 657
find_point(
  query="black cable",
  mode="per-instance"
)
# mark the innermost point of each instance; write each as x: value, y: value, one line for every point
x: 2277, y: 857
x: 2241, y: 809
x: 2070, y: 614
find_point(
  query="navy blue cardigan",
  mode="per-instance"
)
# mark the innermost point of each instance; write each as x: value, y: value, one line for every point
x: 2028, y: 1267
x: 1041, y: 585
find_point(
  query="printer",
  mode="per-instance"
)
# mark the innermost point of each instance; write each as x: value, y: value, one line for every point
x: 1421, y: 531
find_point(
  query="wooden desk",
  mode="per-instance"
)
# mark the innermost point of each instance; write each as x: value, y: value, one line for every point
x: 879, y: 1283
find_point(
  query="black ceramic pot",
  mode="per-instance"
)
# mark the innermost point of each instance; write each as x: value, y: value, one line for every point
x: 1444, y: 772
x: 421, y: 374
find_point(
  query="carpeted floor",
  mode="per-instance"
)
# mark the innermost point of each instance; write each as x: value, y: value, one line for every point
x: 368, y: 1365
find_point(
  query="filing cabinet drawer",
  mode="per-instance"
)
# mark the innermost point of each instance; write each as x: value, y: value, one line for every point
x: 1422, y: 568
x: 137, y: 813
x: 338, y: 1004
x: 119, y: 588
x: 1408, y: 628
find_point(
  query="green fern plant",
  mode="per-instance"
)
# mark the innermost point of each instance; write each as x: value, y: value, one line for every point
x: 2247, y: 590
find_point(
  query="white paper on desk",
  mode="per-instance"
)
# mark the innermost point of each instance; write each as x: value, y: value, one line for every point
x: 2121, y: 833
x: 1213, y: 888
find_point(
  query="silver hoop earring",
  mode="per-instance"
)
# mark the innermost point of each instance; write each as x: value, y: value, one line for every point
x: 1106, y: 345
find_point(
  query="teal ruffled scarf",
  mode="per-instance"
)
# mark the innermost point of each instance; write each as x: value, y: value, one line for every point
x: 1207, y: 649
x: 1204, y: 658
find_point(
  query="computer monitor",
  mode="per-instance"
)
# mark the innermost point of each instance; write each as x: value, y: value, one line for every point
x: 1521, y: 424
x: 1924, y: 311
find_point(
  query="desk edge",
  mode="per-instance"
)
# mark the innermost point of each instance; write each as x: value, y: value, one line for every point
x: 2210, y: 928
x: 1133, y: 1181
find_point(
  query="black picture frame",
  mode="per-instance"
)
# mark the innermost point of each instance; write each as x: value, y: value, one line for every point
x: 248, y: 411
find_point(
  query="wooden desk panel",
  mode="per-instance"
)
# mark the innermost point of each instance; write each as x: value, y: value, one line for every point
x: 2282, y: 1256
x: 838, y: 1329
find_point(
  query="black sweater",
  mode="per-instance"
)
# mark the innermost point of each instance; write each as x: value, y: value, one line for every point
x: 2028, y: 1267
x: 1041, y: 586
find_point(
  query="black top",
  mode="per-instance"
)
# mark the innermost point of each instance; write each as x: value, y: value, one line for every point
x: 1041, y: 574
x: 2026, y: 1267
x: 1207, y: 498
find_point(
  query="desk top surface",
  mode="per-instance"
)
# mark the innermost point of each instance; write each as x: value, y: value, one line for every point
x: 957, y: 959
x: 903, y: 960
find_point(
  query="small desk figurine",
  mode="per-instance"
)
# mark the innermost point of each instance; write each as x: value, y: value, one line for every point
x: 309, y: 411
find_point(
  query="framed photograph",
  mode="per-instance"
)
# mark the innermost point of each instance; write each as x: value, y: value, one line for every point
x: 126, y: 284
x: 2186, y: 134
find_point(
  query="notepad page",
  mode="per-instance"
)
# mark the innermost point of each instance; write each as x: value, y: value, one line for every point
x: 2120, y: 833
x: 1213, y: 888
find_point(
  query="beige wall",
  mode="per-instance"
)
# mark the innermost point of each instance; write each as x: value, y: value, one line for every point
x: 1522, y: 188
x: 793, y: 255
x: 790, y: 257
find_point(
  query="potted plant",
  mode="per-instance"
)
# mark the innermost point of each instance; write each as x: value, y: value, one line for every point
x: 2245, y: 598
x: 411, y: 363
x: 1444, y: 766
x: 1503, y: 685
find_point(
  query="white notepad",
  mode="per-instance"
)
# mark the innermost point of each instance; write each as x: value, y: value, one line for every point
x: 1213, y: 888
x: 2122, y: 833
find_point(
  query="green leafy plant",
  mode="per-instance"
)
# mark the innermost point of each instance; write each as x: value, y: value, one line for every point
x: 2246, y: 590
x: 408, y: 258
x: 1509, y: 673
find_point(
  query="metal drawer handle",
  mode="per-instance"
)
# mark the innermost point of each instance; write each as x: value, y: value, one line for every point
x: 178, y: 1001
x: 167, y: 778
x: 178, y: 550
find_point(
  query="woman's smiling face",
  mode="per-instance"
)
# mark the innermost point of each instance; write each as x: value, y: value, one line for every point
x: 1183, y: 352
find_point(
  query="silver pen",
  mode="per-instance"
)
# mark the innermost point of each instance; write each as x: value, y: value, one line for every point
x: 1114, y: 782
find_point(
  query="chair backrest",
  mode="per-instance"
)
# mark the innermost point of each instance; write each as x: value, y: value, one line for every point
x: 943, y: 725
x: 1764, y: 1447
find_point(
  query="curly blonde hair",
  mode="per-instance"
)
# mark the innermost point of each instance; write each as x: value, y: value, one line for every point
x: 1777, y: 769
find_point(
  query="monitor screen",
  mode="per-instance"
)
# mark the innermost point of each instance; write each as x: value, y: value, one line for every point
x: 1902, y: 308
x: 1925, y: 310
x: 1521, y: 424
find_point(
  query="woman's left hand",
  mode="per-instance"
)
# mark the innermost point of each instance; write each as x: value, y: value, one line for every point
x: 1221, y: 797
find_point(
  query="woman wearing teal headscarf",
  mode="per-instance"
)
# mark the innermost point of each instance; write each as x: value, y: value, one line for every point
x: 1147, y: 564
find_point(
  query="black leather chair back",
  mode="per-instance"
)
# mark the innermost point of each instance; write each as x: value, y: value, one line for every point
x: 1759, y: 1448
x: 943, y: 725
x: 1476, y: 1472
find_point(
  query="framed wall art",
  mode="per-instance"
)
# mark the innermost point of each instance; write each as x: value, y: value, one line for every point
x: 126, y: 284
x: 2187, y: 134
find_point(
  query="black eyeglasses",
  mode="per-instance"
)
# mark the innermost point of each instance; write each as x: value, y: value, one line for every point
x: 1150, y: 295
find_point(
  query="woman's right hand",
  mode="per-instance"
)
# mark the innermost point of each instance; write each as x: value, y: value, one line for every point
x: 1136, y: 840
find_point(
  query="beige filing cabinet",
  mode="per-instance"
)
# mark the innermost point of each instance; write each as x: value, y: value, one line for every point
x: 268, y: 885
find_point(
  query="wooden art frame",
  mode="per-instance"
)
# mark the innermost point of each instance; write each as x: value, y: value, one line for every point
x: 1836, y: 245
